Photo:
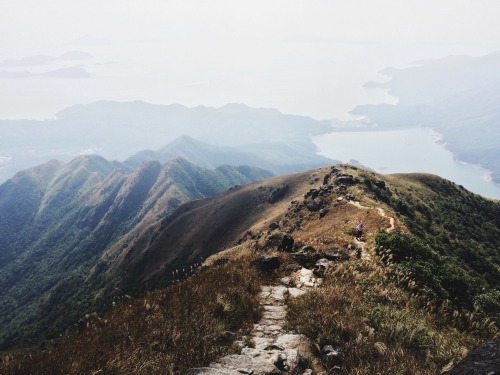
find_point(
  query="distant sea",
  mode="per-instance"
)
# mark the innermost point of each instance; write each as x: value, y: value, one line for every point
x: 323, y: 80
x: 408, y: 150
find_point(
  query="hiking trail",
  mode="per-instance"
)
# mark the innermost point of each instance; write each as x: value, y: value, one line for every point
x: 365, y: 254
x: 272, y: 349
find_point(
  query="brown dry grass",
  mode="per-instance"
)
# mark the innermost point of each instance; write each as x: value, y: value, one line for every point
x: 380, y: 328
x: 161, y: 333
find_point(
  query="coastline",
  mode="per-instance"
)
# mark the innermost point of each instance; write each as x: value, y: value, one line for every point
x: 375, y: 128
x: 408, y: 149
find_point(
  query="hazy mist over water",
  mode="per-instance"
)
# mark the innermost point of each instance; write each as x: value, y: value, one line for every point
x: 300, y: 57
x: 405, y: 150
x: 324, y: 86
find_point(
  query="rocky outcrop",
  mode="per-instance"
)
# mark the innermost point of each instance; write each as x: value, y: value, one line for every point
x: 332, y: 358
x: 335, y: 254
x: 266, y: 263
x: 278, y: 193
x: 286, y: 242
x: 482, y: 360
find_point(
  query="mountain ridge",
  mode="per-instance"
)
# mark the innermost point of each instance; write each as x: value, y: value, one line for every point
x: 80, y: 209
x: 409, y: 279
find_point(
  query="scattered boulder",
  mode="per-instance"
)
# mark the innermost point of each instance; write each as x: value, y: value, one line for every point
x: 332, y: 358
x: 315, y: 205
x: 379, y: 183
x: 301, y: 258
x: 291, y: 267
x: 321, y: 267
x: 313, y: 193
x: 305, y: 259
x: 482, y: 360
x: 277, y: 193
x: 286, y: 281
x: 325, y: 179
x: 345, y: 179
x: 335, y: 254
x: 286, y: 243
x: 274, y: 225
x: 274, y: 239
x: 266, y: 263
x: 307, y: 249
x: 323, y: 212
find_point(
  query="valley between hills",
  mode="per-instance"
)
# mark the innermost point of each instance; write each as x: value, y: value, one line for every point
x: 179, y: 283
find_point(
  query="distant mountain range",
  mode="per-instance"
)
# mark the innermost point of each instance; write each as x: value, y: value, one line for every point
x: 263, y: 138
x: 64, y: 227
x: 458, y: 96
x: 278, y: 157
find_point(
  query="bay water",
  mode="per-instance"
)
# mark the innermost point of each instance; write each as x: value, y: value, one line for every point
x: 409, y: 150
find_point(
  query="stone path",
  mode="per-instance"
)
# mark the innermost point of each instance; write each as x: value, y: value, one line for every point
x: 273, y: 350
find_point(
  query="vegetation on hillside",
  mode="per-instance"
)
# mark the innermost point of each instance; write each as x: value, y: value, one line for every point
x: 57, y: 221
x: 166, y: 331
x: 429, y: 296
x: 411, y: 299
x: 379, y: 327
x: 452, y: 252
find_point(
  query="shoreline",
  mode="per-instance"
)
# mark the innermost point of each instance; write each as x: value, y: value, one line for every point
x: 483, y: 177
x: 374, y: 128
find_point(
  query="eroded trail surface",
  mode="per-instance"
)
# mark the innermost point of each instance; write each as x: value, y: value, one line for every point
x: 272, y: 349
x: 381, y: 212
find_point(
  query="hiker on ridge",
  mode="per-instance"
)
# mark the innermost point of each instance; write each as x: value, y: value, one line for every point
x: 360, y: 228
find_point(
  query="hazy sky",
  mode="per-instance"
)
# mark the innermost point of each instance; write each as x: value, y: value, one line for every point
x: 304, y: 57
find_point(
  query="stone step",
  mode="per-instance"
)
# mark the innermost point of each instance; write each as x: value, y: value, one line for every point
x: 274, y: 351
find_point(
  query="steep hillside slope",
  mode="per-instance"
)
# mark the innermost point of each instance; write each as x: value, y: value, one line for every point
x: 446, y: 239
x: 57, y: 220
x: 201, y: 228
